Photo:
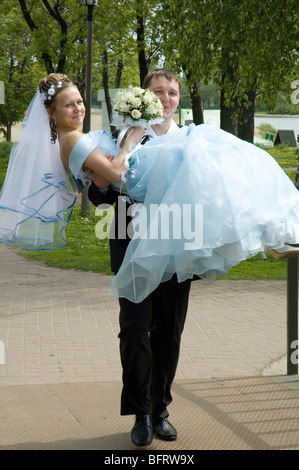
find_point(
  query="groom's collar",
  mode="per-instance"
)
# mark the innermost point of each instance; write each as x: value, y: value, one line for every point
x: 172, y: 128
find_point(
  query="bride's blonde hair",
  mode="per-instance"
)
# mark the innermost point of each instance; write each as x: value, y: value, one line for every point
x: 50, y: 87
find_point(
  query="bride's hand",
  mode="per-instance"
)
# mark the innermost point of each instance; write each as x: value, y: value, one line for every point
x: 135, y: 136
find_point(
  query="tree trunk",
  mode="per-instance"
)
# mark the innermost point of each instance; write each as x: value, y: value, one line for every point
x: 228, y: 120
x: 143, y: 68
x: 8, y: 132
x: 246, y: 118
x: 228, y: 108
x: 119, y: 70
x: 85, y: 202
x: 196, y: 101
x: 105, y: 78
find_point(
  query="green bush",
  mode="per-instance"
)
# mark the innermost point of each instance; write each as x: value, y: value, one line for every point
x: 266, y: 127
x: 5, y: 148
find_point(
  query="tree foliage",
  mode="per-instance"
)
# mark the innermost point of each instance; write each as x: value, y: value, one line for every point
x: 245, y: 49
x: 18, y: 68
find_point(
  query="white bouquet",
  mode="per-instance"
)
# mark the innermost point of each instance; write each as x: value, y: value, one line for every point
x: 136, y: 107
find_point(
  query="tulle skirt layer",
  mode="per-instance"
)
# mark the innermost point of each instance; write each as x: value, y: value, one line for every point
x: 210, y: 201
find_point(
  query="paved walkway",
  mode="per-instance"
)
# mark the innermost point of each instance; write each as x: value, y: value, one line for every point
x: 60, y: 377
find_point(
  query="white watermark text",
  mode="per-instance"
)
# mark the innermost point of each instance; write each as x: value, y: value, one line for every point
x: 154, y: 222
x: 295, y: 94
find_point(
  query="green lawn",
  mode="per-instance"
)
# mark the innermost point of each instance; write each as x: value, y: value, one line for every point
x: 84, y: 251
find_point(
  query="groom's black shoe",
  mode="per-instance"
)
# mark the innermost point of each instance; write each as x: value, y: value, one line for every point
x: 164, y: 430
x: 142, y: 432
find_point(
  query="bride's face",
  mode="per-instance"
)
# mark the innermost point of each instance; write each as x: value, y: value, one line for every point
x: 69, y: 110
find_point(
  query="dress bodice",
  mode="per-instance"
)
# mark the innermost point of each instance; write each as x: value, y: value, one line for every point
x: 84, y: 146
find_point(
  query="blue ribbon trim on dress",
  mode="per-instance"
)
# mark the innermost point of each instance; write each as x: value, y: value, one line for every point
x: 69, y: 197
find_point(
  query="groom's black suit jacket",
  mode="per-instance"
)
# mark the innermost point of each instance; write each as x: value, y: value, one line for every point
x: 118, y: 246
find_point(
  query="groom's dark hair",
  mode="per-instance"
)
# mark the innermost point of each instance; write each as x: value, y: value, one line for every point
x: 160, y: 73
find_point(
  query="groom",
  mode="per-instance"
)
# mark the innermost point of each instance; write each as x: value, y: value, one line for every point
x: 150, y: 332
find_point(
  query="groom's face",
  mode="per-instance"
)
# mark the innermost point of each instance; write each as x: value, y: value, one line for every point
x: 169, y: 93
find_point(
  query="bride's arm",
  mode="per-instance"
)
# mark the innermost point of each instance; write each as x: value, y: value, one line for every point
x: 97, y: 162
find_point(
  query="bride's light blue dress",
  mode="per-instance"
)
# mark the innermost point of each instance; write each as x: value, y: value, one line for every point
x: 209, y: 201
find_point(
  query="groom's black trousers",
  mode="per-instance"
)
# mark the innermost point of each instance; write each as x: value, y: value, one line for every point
x: 150, y: 331
x: 150, y: 340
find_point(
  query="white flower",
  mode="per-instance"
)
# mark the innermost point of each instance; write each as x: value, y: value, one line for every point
x: 129, y: 96
x: 136, y: 102
x: 147, y: 98
x: 152, y: 108
x: 136, y: 114
x: 124, y: 108
x: 137, y: 106
x: 51, y: 90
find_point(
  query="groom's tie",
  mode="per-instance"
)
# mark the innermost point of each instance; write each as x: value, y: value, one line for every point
x: 145, y: 139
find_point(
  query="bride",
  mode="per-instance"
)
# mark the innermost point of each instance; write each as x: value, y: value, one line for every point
x: 36, y: 198
x: 199, y: 179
